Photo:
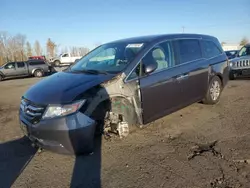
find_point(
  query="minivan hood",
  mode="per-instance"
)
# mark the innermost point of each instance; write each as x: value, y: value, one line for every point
x: 63, y: 87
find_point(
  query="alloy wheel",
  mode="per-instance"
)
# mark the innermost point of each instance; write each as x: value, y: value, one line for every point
x: 215, y: 90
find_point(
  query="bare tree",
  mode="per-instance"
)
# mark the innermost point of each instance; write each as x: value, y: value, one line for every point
x: 28, y: 49
x: 97, y: 44
x: 3, y: 47
x: 64, y: 50
x: 51, y: 48
x: 37, y: 48
x: 83, y: 51
x: 244, y: 41
x: 16, y: 48
x: 78, y: 51
x: 20, y: 42
x: 74, y: 51
x: 223, y: 43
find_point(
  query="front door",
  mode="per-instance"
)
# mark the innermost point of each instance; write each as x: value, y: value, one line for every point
x: 161, y: 94
x: 161, y: 90
x: 9, y: 69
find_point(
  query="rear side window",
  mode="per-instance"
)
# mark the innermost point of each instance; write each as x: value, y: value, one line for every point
x: 189, y: 50
x: 20, y: 64
x: 210, y: 49
x: 36, y: 63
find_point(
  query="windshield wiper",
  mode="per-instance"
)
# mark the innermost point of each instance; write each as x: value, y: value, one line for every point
x: 91, y: 71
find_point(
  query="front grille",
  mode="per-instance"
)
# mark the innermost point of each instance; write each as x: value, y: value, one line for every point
x: 242, y: 63
x: 32, y: 112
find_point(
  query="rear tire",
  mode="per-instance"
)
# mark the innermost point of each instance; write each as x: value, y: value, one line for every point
x: 214, y: 91
x: 38, y: 73
x: 1, y: 78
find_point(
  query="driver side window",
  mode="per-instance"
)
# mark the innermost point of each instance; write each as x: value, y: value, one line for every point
x: 10, y: 66
x: 160, y: 55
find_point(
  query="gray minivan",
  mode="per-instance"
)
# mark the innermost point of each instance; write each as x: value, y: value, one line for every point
x: 120, y: 86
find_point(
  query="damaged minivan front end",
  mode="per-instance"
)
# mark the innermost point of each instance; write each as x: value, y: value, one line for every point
x: 63, y: 112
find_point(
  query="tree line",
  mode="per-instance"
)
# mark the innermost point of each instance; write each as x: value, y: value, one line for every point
x: 243, y: 42
x: 18, y: 48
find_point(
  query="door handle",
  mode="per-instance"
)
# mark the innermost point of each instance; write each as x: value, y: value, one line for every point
x: 181, y: 77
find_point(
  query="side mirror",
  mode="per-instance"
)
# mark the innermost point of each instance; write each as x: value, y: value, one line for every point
x: 150, y: 68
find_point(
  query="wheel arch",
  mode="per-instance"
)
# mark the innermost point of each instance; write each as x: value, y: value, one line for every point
x: 220, y: 77
x: 56, y: 60
x: 213, y: 73
x: 96, y: 105
x: 1, y: 74
x: 36, y: 69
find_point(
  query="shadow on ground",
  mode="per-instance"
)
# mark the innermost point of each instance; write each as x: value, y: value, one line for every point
x: 14, y: 157
x: 87, y: 169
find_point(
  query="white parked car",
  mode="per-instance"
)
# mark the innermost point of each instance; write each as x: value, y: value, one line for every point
x: 64, y: 59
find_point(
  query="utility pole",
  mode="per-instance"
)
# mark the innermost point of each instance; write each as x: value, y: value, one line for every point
x: 183, y: 29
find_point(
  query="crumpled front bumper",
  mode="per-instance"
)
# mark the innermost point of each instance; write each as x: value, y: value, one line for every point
x: 69, y: 135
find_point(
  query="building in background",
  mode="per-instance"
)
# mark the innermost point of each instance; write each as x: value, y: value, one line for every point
x: 231, y: 47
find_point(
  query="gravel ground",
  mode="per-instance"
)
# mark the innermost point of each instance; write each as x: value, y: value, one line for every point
x: 152, y: 157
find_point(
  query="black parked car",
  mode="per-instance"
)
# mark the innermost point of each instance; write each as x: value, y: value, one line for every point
x: 240, y: 66
x: 231, y: 53
x: 122, y: 85
x: 37, y: 68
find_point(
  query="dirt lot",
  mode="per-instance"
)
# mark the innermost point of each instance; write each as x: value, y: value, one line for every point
x: 153, y: 157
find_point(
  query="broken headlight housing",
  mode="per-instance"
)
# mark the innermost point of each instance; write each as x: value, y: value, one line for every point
x: 62, y: 110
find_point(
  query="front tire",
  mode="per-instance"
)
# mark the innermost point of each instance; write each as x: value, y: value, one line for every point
x: 232, y: 76
x: 57, y: 63
x: 1, y: 78
x: 38, y: 73
x: 214, y: 91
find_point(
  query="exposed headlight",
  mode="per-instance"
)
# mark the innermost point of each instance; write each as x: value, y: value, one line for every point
x: 62, y: 110
x: 231, y: 64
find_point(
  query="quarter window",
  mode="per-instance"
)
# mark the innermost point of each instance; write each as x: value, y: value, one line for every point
x: 210, y: 49
x: 20, y: 65
x: 189, y: 50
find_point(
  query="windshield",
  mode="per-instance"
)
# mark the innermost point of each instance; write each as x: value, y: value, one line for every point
x: 111, y: 58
